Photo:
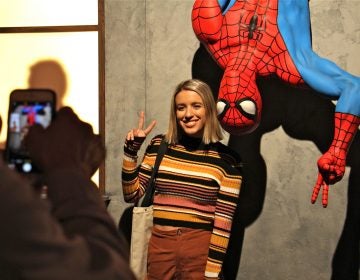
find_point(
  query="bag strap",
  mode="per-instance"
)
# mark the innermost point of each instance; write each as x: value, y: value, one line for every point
x: 149, y: 195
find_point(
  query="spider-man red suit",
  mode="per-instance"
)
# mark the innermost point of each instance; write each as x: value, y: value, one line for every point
x: 261, y: 37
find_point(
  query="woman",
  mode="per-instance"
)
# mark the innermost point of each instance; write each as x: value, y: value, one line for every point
x: 196, y: 190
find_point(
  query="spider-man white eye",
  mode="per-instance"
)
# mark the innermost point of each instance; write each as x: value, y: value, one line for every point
x: 248, y: 108
x: 221, y: 106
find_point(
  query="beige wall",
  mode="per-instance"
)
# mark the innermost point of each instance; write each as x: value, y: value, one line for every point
x: 149, y: 49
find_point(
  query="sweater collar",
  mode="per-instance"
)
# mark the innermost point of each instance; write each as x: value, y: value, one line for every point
x: 192, y: 143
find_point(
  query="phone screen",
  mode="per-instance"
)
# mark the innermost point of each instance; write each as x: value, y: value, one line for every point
x: 23, y: 115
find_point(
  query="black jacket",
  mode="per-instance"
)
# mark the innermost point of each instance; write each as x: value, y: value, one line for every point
x: 69, y: 236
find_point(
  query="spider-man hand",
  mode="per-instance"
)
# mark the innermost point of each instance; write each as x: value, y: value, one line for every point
x: 332, y: 164
x: 331, y: 167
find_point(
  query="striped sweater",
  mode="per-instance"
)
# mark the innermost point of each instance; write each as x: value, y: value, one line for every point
x: 197, y: 186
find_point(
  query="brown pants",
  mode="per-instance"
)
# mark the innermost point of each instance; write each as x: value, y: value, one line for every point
x: 178, y: 254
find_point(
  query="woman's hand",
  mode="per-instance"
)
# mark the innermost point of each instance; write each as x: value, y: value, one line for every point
x: 140, y: 131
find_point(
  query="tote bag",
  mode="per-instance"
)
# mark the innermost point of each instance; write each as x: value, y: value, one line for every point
x: 142, y: 223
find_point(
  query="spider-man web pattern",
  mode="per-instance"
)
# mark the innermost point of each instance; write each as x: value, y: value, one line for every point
x: 260, y: 37
x: 334, y: 160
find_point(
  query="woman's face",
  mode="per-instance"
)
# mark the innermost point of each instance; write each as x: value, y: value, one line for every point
x: 190, y: 113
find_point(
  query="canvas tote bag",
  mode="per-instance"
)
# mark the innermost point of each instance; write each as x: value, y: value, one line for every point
x: 142, y: 222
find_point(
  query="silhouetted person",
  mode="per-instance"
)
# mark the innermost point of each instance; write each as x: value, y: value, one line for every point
x: 70, y: 235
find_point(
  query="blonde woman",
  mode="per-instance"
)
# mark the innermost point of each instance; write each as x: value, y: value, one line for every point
x: 196, y: 190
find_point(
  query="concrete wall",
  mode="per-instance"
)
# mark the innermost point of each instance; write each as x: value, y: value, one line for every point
x: 149, y: 49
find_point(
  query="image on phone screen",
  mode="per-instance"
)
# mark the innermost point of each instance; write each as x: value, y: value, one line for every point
x: 23, y: 115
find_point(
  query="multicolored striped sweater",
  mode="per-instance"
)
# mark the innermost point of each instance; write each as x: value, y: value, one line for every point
x: 197, y: 186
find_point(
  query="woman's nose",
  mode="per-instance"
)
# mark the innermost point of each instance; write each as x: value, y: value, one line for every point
x: 188, y: 112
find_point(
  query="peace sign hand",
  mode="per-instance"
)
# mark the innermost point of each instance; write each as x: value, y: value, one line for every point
x: 140, y: 131
x: 331, y: 167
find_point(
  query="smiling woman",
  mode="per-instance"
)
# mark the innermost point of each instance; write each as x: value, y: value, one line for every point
x: 56, y: 45
x: 196, y: 189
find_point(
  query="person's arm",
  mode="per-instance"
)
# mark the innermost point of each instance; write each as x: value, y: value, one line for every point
x: 134, y: 178
x: 78, y: 206
x: 131, y: 186
x: 225, y: 208
x: 70, y: 235
x: 34, y: 243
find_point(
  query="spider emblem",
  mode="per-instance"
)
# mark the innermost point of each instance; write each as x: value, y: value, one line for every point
x: 252, y: 30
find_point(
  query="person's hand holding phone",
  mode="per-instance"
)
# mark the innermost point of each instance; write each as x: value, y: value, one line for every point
x: 67, y: 143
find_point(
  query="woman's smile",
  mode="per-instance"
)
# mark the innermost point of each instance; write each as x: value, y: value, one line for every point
x: 190, y: 113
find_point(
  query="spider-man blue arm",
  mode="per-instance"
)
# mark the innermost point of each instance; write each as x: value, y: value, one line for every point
x: 327, y: 78
x: 321, y: 74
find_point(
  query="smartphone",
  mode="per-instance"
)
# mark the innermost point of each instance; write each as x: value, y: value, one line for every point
x: 26, y: 108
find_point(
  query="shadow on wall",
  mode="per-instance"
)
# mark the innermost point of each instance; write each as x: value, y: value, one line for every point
x: 305, y: 115
x: 49, y: 74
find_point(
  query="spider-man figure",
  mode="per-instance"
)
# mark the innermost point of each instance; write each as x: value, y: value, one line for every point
x: 261, y: 37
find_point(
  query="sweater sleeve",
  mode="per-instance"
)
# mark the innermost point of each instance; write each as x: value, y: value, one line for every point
x: 225, y: 208
x: 135, y: 177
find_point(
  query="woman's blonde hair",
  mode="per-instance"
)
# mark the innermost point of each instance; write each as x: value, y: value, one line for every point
x: 212, y: 129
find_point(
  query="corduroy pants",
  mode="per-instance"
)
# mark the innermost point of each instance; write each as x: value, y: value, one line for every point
x: 178, y: 254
